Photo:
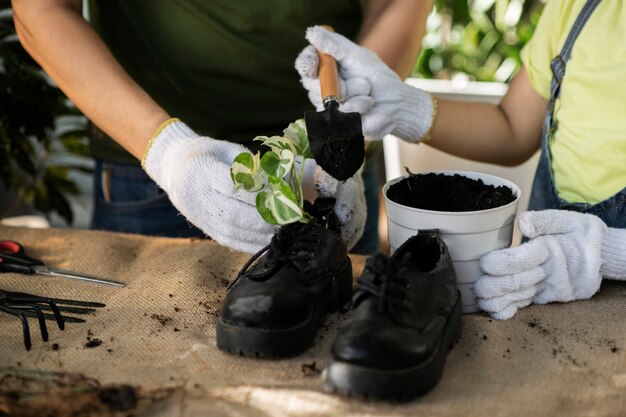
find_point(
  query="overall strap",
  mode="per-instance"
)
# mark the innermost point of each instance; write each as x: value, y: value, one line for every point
x: 559, y: 62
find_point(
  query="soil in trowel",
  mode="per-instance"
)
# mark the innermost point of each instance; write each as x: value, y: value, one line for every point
x: 439, y: 192
x: 338, y: 159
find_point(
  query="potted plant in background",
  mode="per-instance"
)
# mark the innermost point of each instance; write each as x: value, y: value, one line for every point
x: 42, y: 140
x: 474, y: 213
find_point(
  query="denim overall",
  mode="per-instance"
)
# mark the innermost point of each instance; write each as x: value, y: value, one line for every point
x: 544, y: 194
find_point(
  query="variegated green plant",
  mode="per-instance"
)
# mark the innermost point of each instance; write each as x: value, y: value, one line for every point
x: 276, y: 176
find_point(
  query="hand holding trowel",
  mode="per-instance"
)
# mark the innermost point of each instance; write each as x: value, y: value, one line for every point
x: 336, y: 138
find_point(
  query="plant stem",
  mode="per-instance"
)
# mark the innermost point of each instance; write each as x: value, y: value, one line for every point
x: 293, y: 179
x: 300, y: 181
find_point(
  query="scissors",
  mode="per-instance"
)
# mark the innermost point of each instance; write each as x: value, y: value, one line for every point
x: 13, y: 259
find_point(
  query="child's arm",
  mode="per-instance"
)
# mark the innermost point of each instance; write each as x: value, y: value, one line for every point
x: 507, y: 134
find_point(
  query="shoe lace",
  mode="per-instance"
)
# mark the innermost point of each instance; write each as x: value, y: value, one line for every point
x: 382, y: 281
x: 289, y: 244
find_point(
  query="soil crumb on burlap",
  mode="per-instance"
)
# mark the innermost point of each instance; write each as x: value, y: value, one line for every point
x: 93, y: 343
x: 440, y: 192
x: 26, y: 393
x: 310, y: 369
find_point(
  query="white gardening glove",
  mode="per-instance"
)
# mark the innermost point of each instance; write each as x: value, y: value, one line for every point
x: 350, y: 207
x: 194, y: 171
x: 367, y: 86
x: 565, y: 259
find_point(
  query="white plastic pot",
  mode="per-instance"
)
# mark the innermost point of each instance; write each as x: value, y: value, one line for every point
x: 468, y: 234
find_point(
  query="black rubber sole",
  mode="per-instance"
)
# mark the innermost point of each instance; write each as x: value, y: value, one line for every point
x: 259, y: 342
x: 398, y: 385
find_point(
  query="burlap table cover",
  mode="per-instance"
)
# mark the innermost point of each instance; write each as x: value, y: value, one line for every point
x: 158, y: 332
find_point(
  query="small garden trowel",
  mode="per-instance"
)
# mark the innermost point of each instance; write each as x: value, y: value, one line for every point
x: 336, y: 138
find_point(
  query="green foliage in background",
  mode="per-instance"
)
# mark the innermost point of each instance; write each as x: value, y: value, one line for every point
x: 41, y: 132
x: 477, y: 39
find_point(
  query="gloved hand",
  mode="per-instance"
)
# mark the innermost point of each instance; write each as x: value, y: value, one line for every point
x: 350, y: 206
x: 194, y: 171
x: 565, y: 259
x: 367, y: 86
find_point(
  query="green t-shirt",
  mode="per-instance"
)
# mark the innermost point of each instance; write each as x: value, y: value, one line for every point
x: 224, y: 67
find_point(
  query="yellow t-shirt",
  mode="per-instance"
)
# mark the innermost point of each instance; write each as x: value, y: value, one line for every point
x: 589, y: 147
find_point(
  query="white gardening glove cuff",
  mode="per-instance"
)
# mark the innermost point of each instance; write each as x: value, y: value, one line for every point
x: 415, y: 114
x: 614, y: 254
x: 170, y: 143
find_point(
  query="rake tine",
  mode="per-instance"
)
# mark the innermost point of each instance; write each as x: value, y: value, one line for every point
x: 25, y: 306
x: 77, y: 303
x: 42, y: 322
x: 25, y: 331
x: 73, y: 310
x: 33, y: 311
x: 60, y: 319
x: 50, y: 306
x: 57, y: 315
x: 37, y: 299
x: 47, y: 316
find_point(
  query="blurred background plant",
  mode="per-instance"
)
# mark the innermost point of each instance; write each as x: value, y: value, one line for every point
x: 476, y: 40
x: 42, y: 135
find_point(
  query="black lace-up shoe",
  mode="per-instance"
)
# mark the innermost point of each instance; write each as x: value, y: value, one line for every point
x: 275, y: 308
x: 405, y: 316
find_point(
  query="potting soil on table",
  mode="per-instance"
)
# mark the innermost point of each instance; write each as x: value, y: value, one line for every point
x: 440, y: 192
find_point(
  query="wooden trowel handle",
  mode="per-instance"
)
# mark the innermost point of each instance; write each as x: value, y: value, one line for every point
x: 329, y: 77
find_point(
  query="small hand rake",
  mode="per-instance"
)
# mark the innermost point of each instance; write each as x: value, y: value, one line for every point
x: 24, y: 305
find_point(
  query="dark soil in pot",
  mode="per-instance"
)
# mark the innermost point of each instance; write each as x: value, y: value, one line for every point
x: 440, y: 192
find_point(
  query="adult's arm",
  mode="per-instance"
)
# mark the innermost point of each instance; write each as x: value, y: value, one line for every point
x: 394, y: 30
x: 55, y: 34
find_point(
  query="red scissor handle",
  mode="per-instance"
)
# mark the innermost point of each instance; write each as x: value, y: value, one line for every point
x: 13, y: 259
x: 9, y: 246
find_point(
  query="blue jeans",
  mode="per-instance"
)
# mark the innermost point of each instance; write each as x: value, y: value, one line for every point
x: 127, y: 200
x: 369, y: 244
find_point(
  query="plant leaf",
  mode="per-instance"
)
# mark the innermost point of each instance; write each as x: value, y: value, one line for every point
x: 296, y: 131
x: 263, y: 207
x: 245, y: 172
x: 277, y: 165
x: 279, y: 205
x: 278, y: 143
